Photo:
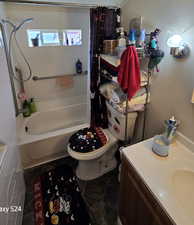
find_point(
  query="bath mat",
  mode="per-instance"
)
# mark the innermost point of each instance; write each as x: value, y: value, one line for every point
x: 57, y: 199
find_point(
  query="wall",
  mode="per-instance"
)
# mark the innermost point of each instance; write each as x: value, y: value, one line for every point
x: 10, y: 170
x: 85, y: 2
x: 172, y: 87
x: 49, y: 61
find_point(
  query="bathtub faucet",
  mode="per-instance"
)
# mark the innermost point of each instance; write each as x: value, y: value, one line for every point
x: 20, y: 111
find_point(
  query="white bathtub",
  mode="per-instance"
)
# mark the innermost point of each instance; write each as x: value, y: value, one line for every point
x: 44, y: 135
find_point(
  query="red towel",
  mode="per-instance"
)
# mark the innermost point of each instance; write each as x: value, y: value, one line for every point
x: 129, y: 72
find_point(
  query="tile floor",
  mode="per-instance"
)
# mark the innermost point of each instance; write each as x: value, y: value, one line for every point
x: 100, y: 195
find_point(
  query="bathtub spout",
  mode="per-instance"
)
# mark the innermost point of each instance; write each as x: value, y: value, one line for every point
x: 20, y: 111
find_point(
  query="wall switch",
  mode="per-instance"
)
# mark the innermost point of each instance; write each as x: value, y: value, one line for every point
x: 192, y: 99
x: 2, y: 147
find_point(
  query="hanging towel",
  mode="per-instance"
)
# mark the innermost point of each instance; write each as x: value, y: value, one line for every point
x: 65, y: 81
x: 129, y: 72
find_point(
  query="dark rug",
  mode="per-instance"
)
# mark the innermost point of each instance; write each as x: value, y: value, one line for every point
x: 57, y: 199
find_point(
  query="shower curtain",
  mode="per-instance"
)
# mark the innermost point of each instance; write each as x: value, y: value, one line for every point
x: 103, y: 22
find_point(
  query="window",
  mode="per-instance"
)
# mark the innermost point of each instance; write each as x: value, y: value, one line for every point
x: 32, y: 36
x: 38, y: 38
x: 50, y: 38
x: 72, y: 37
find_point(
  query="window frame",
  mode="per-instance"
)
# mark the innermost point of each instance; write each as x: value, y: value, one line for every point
x: 49, y: 31
x: 60, y: 36
x: 66, y: 30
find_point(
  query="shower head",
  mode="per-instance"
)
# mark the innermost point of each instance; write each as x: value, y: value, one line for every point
x: 16, y: 28
x: 28, y: 20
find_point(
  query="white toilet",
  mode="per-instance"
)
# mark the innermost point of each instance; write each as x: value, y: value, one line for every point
x: 98, y: 162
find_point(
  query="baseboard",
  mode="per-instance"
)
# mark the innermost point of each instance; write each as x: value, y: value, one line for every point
x: 46, y: 160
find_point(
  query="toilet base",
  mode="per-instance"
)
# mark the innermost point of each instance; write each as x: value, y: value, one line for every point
x: 92, y: 169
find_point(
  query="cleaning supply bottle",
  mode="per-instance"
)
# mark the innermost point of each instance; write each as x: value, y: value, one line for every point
x: 132, y: 37
x: 142, y: 38
x: 32, y: 106
x: 122, y: 39
x: 78, y: 67
x: 26, y: 109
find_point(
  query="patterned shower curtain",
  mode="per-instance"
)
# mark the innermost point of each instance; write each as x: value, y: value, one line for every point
x: 103, y: 24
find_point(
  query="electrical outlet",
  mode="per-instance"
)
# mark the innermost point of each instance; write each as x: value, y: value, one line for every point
x: 192, y: 99
x: 2, y: 147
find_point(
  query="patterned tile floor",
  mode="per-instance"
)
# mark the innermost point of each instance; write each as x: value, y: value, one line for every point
x: 100, y: 195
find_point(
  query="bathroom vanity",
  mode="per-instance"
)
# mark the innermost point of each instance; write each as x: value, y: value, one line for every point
x: 137, y: 204
x: 156, y: 190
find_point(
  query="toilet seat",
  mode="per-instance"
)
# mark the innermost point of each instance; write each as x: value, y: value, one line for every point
x: 98, y: 162
x: 111, y: 140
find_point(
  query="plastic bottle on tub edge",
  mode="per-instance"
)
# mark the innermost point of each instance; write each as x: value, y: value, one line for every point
x: 78, y: 67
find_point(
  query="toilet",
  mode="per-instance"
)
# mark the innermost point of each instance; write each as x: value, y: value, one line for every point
x: 95, y: 163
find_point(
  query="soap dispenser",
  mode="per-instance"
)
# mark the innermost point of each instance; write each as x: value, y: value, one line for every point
x: 171, y: 127
x: 162, y: 142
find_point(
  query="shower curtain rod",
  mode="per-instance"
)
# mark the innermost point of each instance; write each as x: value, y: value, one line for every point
x: 70, y: 5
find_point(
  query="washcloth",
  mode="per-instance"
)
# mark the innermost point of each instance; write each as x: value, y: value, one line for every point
x: 129, y: 72
x: 65, y: 81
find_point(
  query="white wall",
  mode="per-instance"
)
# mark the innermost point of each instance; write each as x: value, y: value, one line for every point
x: 11, y: 161
x: 49, y: 61
x: 85, y: 2
x: 172, y: 88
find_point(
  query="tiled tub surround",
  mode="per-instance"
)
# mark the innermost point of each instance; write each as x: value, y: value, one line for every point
x: 170, y: 179
x: 44, y: 136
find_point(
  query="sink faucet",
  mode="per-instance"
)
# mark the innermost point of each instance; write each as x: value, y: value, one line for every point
x: 171, y: 127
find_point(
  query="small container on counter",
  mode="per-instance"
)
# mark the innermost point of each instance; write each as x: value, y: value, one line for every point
x: 160, y: 146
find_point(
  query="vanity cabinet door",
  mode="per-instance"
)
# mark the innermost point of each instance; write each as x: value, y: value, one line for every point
x: 137, y: 206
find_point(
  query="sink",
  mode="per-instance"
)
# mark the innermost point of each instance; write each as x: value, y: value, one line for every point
x: 183, y: 188
x: 170, y: 179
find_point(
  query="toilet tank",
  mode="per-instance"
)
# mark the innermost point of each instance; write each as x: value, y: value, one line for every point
x: 116, y: 123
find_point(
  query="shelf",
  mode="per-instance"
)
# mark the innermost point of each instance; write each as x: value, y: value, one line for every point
x: 112, y: 60
x: 113, y: 78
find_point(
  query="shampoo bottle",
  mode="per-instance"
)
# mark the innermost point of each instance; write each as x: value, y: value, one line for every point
x: 32, y: 106
x: 122, y: 39
x: 132, y: 37
x: 78, y: 67
x: 26, y: 109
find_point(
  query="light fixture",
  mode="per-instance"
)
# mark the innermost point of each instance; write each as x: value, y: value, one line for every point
x: 178, y: 48
x: 175, y: 41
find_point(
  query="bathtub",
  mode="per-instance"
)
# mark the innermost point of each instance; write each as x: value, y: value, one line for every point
x: 44, y: 136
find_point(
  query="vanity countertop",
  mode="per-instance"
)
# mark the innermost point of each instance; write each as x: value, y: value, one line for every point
x: 171, y: 179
